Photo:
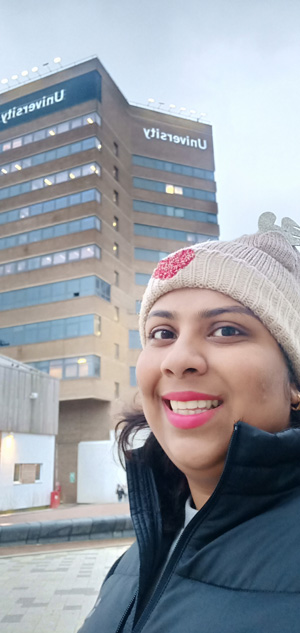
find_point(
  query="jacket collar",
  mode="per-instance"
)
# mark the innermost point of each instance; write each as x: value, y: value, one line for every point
x: 259, y: 467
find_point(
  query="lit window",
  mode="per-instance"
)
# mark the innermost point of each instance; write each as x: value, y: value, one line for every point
x: 51, y: 132
x: 90, y: 120
x: 17, y: 142
x: 178, y: 190
x: 116, y: 249
x: 47, y: 181
x: 56, y: 369
x: 87, y: 251
x: 71, y: 175
x: 4, y: 171
x: 6, y: 146
x: 169, y: 188
x: 18, y: 167
x: 116, y: 223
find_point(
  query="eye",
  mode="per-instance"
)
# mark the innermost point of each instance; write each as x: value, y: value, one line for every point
x: 227, y: 330
x: 161, y: 334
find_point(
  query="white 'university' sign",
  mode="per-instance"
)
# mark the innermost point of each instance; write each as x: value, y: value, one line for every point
x: 156, y: 133
x: 44, y: 102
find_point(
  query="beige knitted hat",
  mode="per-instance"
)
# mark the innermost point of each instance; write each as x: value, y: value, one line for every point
x: 261, y: 271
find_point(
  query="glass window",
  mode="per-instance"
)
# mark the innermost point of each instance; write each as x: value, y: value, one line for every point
x: 115, y: 223
x: 74, y: 255
x: 116, y: 313
x: 62, y: 127
x: 83, y: 370
x: 132, y: 377
x: 116, y: 149
x: 73, y: 199
x: 116, y: 249
x: 116, y: 278
x: 33, y: 263
x: 9, y: 269
x: 117, y: 389
x: 87, y: 251
x: 115, y: 172
x: 21, y: 266
x: 73, y: 227
x: 39, y: 135
x: 60, y: 229
x: 35, y: 236
x: 87, y: 223
x: 24, y: 212
x: 116, y: 197
x: 56, y: 368
x: 141, y: 279
x: 87, y: 196
x: 46, y: 260
x: 134, y: 339
x: 59, y: 258
x: 47, y: 233
x: 70, y: 368
x: 116, y: 350
x: 61, y: 177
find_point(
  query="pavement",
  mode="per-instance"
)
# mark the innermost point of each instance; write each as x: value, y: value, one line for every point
x: 52, y: 586
x: 67, y: 523
x: 53, y: 591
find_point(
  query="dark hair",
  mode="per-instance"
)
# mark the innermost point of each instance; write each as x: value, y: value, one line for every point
x: 171, y: 483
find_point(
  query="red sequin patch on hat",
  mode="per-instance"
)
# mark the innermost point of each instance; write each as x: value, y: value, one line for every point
x: 169, y: 267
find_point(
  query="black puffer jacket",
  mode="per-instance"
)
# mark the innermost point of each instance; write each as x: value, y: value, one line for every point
x: 236, y: 567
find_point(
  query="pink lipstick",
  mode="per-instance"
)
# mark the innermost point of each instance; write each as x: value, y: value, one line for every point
x: 190, y: 420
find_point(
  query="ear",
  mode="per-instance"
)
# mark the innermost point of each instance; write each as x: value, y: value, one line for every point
x: 294, y: 394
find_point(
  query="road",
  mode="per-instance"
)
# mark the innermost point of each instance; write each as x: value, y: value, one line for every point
x: 52, y: 591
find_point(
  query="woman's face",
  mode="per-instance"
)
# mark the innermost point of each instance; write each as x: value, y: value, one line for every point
x: 209, y: 362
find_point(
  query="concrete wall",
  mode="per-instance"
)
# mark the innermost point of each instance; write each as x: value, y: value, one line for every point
x: 23, y: 448
x: 99, y: 472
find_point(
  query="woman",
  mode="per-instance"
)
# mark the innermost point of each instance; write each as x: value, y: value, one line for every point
x: 215, y: 491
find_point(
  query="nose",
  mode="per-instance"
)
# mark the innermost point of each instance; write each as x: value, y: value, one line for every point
x: 184, y: 357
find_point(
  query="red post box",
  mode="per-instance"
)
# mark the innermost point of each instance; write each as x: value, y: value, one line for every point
x: 55, y: 499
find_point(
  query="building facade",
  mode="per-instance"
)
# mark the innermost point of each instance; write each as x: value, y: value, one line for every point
x: 28, y: 426
x: 93, y: 192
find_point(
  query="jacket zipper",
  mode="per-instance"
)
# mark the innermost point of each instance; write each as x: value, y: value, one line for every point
x: 125, y: 614
x: 183, y: 540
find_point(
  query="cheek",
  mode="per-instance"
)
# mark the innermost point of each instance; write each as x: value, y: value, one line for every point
x: 146, y: 372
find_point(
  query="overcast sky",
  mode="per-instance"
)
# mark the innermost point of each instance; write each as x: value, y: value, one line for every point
x: 236, y: 60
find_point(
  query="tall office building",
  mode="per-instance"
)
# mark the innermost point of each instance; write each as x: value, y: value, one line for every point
x: 93, y: 192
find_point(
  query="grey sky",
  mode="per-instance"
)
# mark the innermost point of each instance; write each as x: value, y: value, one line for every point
x: 236, y: 60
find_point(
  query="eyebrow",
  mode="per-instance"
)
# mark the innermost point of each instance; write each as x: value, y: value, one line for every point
x: 205, y: 314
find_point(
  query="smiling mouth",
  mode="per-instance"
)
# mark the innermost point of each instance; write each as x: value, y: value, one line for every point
x: 192, y: 407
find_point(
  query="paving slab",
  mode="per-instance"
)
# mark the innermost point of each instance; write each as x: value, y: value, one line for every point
x: 52, y: 591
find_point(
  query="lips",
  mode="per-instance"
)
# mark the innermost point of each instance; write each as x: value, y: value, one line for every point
x: 190, y: 409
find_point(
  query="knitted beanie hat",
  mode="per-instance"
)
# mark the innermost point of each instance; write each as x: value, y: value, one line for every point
x: 261, y: 271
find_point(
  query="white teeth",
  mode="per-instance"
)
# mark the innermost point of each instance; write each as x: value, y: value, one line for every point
x: 192, y: 407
